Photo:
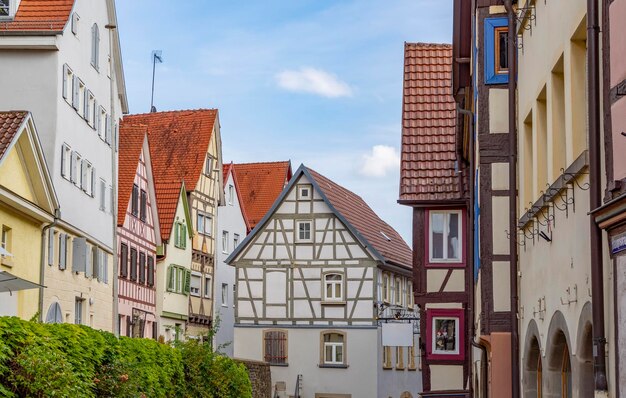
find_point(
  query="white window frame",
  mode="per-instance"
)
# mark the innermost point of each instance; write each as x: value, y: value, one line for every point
x: 334, y: 345
x: 333, y: 283
x: 304, y: 188
x: 457, y: 338
x: 79, y: 309
x: 446, y: 233
x: 207, y: 222
x: 398, y: 290
x: 208, y: 165
x: 197, y: 276
x: 9, y: 10
x: 409, y: 295
x: 386, y: 287
x: 235, y: 241
x: 231, y: 194
x: 224, y: 294
x: 224, y: 241
x: 300, y: 239
x: 75, y: 23
x: 68, y: 79
x: 66, y: 161
x: 207, y: 292
x: 86, y: 175
x: 101, y: 122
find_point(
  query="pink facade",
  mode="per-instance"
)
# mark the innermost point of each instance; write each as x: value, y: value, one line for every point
x: 137, y: 241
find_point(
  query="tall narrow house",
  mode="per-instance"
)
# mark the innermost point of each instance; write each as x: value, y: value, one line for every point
x: 138, y: 235
x: 434, y: 182
x: 313, y: 277
x: 186, y: 146
x: 61, y: 60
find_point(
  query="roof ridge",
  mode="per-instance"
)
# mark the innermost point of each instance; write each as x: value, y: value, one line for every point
x: 269, y: 162
x: 171, y: 111
x: 425, y: 44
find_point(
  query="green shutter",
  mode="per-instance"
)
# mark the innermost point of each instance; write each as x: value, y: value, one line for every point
x: 183, y: 241
x: 170, y: 280
x: 187, y: 281
x: 176, y: 235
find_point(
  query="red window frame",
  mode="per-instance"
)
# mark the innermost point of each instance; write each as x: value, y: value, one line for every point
x: 463, y: 262
x: 447, y: 313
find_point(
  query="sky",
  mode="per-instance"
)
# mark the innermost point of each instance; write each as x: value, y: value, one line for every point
x: 317, y: 82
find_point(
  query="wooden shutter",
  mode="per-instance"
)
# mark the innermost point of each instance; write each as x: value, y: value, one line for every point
x: 105, y: 266
x: 133, y: 264
x: 183, y: 229
x: 65, y: 70
x: 89, y: 262
x: 107, y: 136
x: 62, y: 251
x: 170, y: 278
x: 51, y: 246
x: 187, y: 281
x: 93, y: 182
x: 143, y: 205
x: 96, y: 263
x: 124, y: 260
x: 86, y: 105
x: 176, y: 235
x: 75, y: 93
x: 74, y: 159
x: 142, y: 267
x: 63, y: 160
x: 84, y: 175
x: 150, y: 271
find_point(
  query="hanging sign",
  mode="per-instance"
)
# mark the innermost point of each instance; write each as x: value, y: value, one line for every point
x: 618, y: 243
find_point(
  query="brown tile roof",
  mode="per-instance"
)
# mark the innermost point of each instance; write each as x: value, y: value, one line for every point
x: 10, y: 123
x: 427, y: 170
x: 380, y: 235
x: 40, y: 15
x: 131, y: 142
x: 258, y: 186
x: 179, y: 142
x: 167, y: 197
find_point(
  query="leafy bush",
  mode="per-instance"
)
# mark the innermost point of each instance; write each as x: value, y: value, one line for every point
x: 61, y: 360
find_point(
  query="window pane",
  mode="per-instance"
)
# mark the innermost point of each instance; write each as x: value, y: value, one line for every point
x: 337, y: 291
x: 200, y: 223
x: 329, y: 290
x: 436, y: 227
x: 445, y: 330
x: 329, y: 353
x: 503, y: 60
x: 339, y: 353
x: 453, y: 236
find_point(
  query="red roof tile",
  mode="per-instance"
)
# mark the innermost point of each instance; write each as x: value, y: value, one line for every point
x: 167, y: 197
x: 179, y: 142
x: 10, y: 123
x: 383, y: 238
x: 258, y: 186
x: 225, y: 170
x: 40, y: 15
x: 427, y: 169
x: 131, y: 142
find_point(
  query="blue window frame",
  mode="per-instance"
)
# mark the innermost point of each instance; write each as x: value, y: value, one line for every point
x: 493, y: 73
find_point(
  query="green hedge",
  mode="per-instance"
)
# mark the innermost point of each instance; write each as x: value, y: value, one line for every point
x: 61, y: 360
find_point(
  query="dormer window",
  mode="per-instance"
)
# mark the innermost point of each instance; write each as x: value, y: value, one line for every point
x: 5, y: 8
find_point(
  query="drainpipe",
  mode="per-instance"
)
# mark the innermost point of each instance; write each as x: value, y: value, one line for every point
x: 42, y: 262
x: 470, y: 235
x: 595, y: 200
x: 512, y: 55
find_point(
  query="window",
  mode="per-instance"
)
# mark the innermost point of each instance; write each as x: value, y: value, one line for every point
x: 86, y: 179
x: 4, y: 8
x: 134, y: 201
x: 78, y: 311
x: 195, y: 284
x: 207, y: 287
x: 235, y: 241
x: 333, y: 348
x: 62, y: 251
x: 150, y: 271
x: 208, y: 165
x: 75, y: 19
x: 5, y: 243
x: 204, y: 224
x: 90, y: 102
x: 74, y: 160
x: 224, y: 294
x: 303, y: 231
x: 444, y: 331
x: 68, y: 77
x: 275, y: 347
x: 409, y: 295
x: 108, y: 130
x: 124, y: 260
x: 178, y: 279
x: 54, y: 315
x: 386, y: 288
x: 445, y: 234
x: 143, y: 205
x: 386, y: 357
x: 95, y: 46
x: 101, y: 122
x: 412, y: 365
x: 225, y: 241
x: 180, y: 235
x: 496, y: 51
x: 304, y: 192
x: 398, y: 291
x: 66, y: 154
x: 142, y: 267
x: 133, y: 265
x: 231, y: 194
x: 399, y: 358
x: 103, y: 191
x: 333, y: 287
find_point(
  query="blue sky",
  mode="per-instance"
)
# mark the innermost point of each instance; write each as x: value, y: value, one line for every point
x: 318, y: 82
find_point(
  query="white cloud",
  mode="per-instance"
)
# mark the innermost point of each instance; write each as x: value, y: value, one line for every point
x: 313, y: 81
x: 380, y: 161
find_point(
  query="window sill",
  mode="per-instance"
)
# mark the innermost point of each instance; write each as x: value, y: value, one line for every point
x: 283, y: 365
x: 400, y: 368
x: 333, y: 303
x: 412, y: 369
x: 331, y: 366
x: 194, y: 295
x: 387, y: 367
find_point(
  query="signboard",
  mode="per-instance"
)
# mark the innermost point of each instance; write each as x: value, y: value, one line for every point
x: 618, y: 243
x: 397, y: 334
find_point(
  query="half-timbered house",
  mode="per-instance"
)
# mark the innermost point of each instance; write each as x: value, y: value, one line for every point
x: 311, y: 279
x: 434, y: 183
x: 138, y: 235
x: 186, y: 145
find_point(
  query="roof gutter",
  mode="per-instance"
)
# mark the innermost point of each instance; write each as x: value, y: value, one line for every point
x: 595, y: 197
x: 512, y: 55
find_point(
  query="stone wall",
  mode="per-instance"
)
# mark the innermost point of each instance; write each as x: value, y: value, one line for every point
x: 260, y: 378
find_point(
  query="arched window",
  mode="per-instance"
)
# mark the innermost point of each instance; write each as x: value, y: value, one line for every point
x: 54, y: 314
x: 333, y: 287
x: 275, y: 347
x: 333, y: 348
x: 95, y: 46
x: 566, y: 375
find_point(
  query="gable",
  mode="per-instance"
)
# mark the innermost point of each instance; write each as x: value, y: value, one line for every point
x: 14, y: 175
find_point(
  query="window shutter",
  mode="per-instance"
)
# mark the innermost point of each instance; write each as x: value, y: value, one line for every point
x: 170, y: 278
x: 123, y: 260
x: 176, y: 235
x: 96, y: 263
x: 73, y: 160
x: 95, y: 112
x: 107, y: 136
x: 105, y: 266
x: 84, y: 175
x: 183, y: 233
x: 99, y: 121
x: 62, y: 251
x: 93, y: 182
x: 103, y: 188
x: 187, y: 281
x: 86, y: 105
x: 79, y: 250
x: 51, y: 246
x: 65, y: 70
x: 90, y: 264
x: 75, y: 93
x: 150, y: 271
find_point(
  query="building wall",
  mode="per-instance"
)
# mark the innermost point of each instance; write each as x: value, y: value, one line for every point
x: 230, y: 219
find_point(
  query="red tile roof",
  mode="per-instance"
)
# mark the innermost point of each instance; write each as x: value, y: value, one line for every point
x: 428, y: 125
x: 40, y: 15
x: 383, y: 238
x: 131, y: 142
x: 10, y: 123
x: 225, y: 170
x: 167, y: 197
x: 258, y: 186
x: 179, y: 142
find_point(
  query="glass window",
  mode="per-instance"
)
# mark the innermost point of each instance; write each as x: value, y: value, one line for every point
x: 95, y: 46
x: 224, y: 294
x: 78, y: 311
x: 333, y: 287
x: 385, y: 287
x: 4, y: 8
x: 133, y: 264
x: 445, y: 335
x: 304, y: 231
x: 196, y: 285
x: 207, y: 286
x: 501, y: 51
x: 275, y: 347
x: 231, y: 194
x: 304, y: 192
x: 208, y: 165
x: 398, y: 291
x: 134, y: 206
x: 143, y: 205
x: 445, y: 236
x: 225, y: 241
x: 334, y: 349
x: 235, y: 241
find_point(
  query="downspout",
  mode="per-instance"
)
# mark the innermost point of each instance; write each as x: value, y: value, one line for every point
x: 512, y: 56
x: 470, y: 235
x: 483, y: 377
x: 42, y: 262
x: 595, y: 201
